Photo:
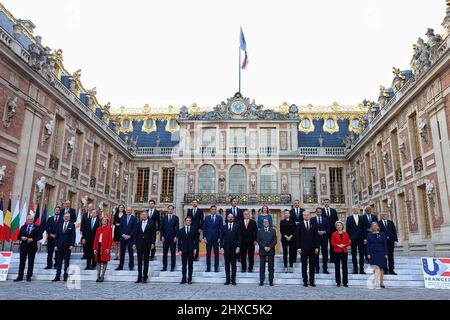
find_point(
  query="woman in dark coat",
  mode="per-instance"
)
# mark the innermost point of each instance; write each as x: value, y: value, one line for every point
x: 120, y: 212
x: 288, y: 231
x: 377, y: 252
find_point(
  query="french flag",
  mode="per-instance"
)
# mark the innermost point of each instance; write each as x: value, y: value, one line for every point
x: 244, y: 48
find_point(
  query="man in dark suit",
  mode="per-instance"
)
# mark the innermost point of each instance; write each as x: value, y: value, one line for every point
x: 197, y: 222
x: 86, y: 216
x: 187, y: 243
x: 145, y: 241
x: 128, y: 228
x: 29, y: 235
x: 67, y: 209
x: 367, y: 220
x: 155, y: 216
x: 51, y: 227
x: 235, y: 211
x: 169, y: 229
x: 230, y: 243
x: 332, y: 216
x: 297, y: 212
x: 388, y: 227
x: 212, y: 226
x: 267, y: 239
x: 323, y: 231
x: 308, y: 247
x: 89, y: 228
x: 64, y: 243
x: 249, y: 231
x: 355, y: 230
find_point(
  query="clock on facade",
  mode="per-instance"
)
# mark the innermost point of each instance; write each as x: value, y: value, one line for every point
x: 238, y: 107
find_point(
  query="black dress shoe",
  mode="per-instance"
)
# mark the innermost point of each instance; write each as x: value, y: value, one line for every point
x: 312, y: 284
x: 189, y: 281
x: 172, y: 269
x: 87, y: 268
x: 355, y: 272
x: 119, y: 269
x: 47, y: 268
x: 250, y: 270
x: 362, y: 272
x: 65, y: 279
x: 271, y: 284
x: 244, y: 271
x: 317, y: 270
x: 163, y: 270
x: 138, y: 281
x: 305, y: 284
x: 261, y: 284
x: 28, y: 279
x: 326, y: 272
x: 227, y: 283
x: 216, y: 270
x: 144, y: 280
x: 131, y: 268
x: 233, y: 283
x: 338, y: 285
x: 208, y: 270
x: 183, y: 282
x: 56, y: 279
x: 393, y: 273
x: 346, y: 285
x: 18, y: 279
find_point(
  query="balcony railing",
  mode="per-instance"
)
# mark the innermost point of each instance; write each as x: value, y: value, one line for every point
x: 243, y: 198
x: 398, y: 175
x: 208, y: 151
x: 337, y: 198
x: 74, y: 173
x: 310, y: 198
x: 237, y: 150
x: 140, y: 198
x: 155, y: 151
x: 93, y: 182
x: 383, y: 183
x: 418, y: 165
x: 268, y: 151
x: 53, y: 163
x: 166, y: 198
x: 322, y: 151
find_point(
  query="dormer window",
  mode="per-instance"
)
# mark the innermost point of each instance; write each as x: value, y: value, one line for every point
x: 330, y: 123
x: 126, y: 124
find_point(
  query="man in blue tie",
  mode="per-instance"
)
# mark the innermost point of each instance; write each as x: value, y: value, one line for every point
x: 211, y: 234
x: 154, y: 216
x: 323, y: 230
x: 128, y: 225
x: 235, y: 211
x: 64, y: 243
x: 169, y: 229
x: 196, y: 215
x: 29, y: 235
x: 186, y: 247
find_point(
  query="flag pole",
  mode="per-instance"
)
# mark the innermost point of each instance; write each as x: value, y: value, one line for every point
x: 239, y: 65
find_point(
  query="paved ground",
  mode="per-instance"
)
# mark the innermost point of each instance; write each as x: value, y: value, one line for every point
x: 122, y: 290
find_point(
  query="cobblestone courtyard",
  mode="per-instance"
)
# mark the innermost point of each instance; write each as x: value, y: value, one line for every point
x: 130, y: 291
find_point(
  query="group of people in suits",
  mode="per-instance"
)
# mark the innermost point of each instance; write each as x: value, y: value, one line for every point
x: 369, y: 237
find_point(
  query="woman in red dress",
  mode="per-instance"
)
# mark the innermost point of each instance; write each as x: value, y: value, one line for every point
x: 102, y: 248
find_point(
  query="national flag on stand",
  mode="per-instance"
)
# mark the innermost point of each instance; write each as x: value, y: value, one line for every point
x: 244, y: 48
x: 37, y: 218
x: 24, y: 214
x: 7, y: 223
x: 1, y: 219
x: 78, y: 228
x: 15, y: 221
x: 43, y: 225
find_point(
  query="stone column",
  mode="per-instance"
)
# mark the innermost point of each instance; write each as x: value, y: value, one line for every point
x: 180, y: 190
x: 295, y: 181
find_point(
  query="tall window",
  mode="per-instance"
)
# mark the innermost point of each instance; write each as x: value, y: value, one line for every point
x: 238, y: 181
x: 79, y: 149
x: 207, y: 179
x: 95, y: 160
x: 309, y: 185
x: 168, y: 178
x: 396, y: 155
x: 238, y: 140
x: 208, y: 144
x: 336, y: 186
x: 268, y: 180
x: 368, y: 173
x: 108, y: 172
x: 414, y: 133
x: 142, y: 185
x: 267, y: 140
x: 424, y: 214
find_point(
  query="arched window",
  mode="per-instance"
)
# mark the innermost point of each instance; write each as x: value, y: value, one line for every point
x: 268, y: 184
x: 207, y: 179
x: 238, y: 179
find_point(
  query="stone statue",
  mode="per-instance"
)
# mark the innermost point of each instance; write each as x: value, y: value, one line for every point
x: 158, y: 140
x: 49, y: 126
x: 2, y: 174
x: 434, y: 42
x: 71, y: 144
x: 116, y: 173
x: 40, y: 184
x: 429, y: 188
x: 84, y: 201
x: 184, y: 112
x: 424, y: 62
x: 253, y: 182
x: 399, y: 79
x: 383, y: 98
x: 11, y: 110
x: 385, y: 157
x: 125, y: 179
x: 104, y: 165
x: 293, y: 111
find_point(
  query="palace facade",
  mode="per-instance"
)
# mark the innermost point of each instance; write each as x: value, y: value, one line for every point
x: 58, y: 142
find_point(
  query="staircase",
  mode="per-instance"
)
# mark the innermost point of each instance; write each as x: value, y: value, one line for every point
x: 408, y: 269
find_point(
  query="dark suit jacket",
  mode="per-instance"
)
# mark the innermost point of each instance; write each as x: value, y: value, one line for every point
x: 156, y: 217
x: 35, y: 234
x: 249, y: 235
x: 169, y: 230
x: 211, y: 230
x: 51, y: 227
x: 230, y: 240
x: 390, y: 231
x: 197, y: 221
x: 300, y: 216
x: 288, y: 228
x: 366, y: 223
x: 355, y: 232
x: 331, y: 219
x: 73, y: 214
x: 238, y: 218
x: 65, y: 239
x: 267, y: 239
x: 324, y: 226
x: 88, y: 231
x: 307, y: 240
x: 147, y: 237
x: 187, y: 242
x: 130, y: 228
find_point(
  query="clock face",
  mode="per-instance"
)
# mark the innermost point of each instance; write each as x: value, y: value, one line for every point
x: 238, y: 107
